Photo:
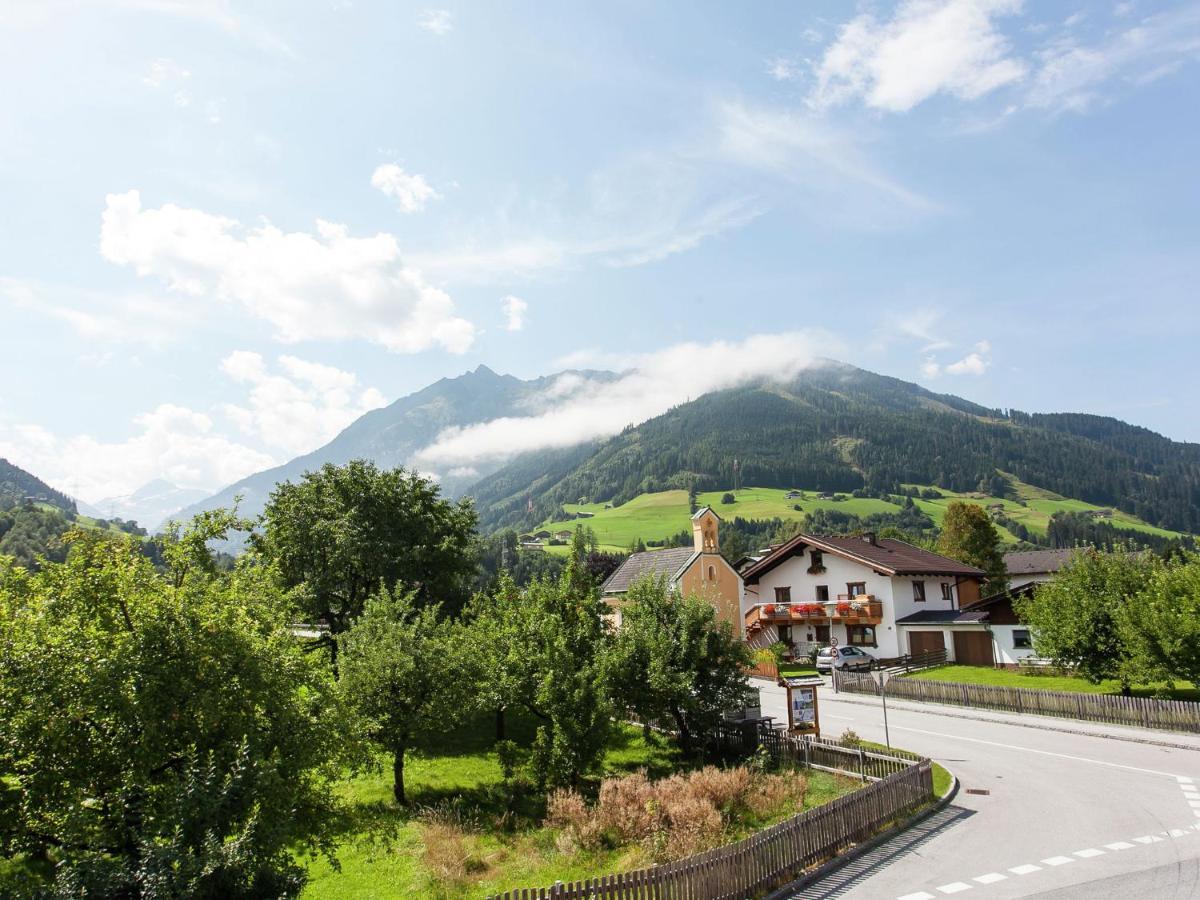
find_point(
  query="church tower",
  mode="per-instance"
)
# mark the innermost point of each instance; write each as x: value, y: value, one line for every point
x: 704, y: 530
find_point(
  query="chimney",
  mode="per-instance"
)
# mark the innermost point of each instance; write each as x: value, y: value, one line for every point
x: 869, y: 537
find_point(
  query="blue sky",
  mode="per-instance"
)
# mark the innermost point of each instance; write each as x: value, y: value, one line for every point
x: 231, y: 228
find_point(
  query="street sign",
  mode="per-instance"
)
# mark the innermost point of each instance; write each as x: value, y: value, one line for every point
x: 833, y: 642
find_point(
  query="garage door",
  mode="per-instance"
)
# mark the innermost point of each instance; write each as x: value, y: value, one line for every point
x: 973, y: 648
x: 925, y: 641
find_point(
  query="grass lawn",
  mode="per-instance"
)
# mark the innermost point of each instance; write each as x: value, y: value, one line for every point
x: 384, y: 850
x: 1071, y: 683
x: 796, y: 670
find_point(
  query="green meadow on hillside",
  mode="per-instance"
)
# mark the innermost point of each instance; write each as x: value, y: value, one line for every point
x: 655, y: 517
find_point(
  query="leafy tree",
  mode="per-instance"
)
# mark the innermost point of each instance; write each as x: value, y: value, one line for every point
x: 161, y: 736
x: 727, y: 498
x: 399, y: 669
x: 672, y: 660
x: 969, y: 536
x: 1077, y: 618
x: 544, y: 655
x: 1160, y: 628
x: 342, y: 532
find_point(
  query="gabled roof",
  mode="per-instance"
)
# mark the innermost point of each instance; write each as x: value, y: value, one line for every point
x: 1037, y: 562
x: 946, y: 617
x: 656, y: 563
x: 885, y: 555
x: 702, y: 510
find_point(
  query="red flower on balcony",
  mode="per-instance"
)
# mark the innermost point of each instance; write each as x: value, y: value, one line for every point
x: 769, y: 609
x: 797, y: 609
x: 844, y: 609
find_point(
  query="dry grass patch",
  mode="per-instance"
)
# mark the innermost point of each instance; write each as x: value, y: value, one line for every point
x: 673, y: 817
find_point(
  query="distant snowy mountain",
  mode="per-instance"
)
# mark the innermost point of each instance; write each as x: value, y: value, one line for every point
x: 150, y: 505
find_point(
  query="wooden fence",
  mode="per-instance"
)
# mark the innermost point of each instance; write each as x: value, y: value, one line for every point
x: 1143, y: 712
x: 765, y: 860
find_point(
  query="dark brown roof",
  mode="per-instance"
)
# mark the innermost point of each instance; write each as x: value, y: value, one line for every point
x: 886, y: 555
x: 945, y: 617
x: 1034, y: 562
x: 656, y: 563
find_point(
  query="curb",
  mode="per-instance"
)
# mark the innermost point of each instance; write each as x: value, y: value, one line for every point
x: 867, y: 846
x: 1037, y: 722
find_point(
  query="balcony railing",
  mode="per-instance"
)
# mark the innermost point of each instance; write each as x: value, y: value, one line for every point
x: 862, y: 609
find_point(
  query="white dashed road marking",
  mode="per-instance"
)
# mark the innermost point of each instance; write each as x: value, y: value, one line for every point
x: 956, y: 887
x: 1027, y: 869
x: 989, y: 878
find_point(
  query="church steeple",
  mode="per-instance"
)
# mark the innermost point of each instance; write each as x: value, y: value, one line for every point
x: 704, y: 530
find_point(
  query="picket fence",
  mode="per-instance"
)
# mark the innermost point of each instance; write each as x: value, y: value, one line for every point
x: 1144, y: 712
x: 765, y: 860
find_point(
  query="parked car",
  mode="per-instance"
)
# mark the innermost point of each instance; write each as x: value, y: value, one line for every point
x: 844, y: 658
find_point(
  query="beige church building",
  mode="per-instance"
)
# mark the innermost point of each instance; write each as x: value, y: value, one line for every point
x: 698, y: 570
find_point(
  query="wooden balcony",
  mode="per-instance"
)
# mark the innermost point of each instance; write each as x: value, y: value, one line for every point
x: 861, y: 610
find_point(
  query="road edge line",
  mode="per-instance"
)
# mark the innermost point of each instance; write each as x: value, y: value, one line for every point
x: 941, y: 709
x: 827, y: 868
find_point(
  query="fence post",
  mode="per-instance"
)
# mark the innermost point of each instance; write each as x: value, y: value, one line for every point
x: 862, y: 763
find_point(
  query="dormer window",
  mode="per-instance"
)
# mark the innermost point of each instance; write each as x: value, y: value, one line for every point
x: 818, y: 563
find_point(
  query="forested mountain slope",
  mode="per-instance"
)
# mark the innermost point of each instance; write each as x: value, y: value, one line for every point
x: 840, y: 428
x: 391, y: 435
x: 16, y: 485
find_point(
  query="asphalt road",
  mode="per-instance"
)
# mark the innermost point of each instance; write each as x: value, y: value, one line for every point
x: 1040, y: 812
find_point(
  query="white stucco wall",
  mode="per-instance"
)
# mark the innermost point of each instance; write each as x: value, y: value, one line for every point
x: 1002, y: 645
x: 1016, y: 581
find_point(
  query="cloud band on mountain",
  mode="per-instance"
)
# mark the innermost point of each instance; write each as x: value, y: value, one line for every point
x: 578, y: 409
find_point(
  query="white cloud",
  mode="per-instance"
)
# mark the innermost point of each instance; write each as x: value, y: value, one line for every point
x: 299, y: 410
x: 978, y: 361
x: 583, y: 409
x: 807, y: 151
x: 411, y: 192
x: 928, y: 47
x: 101, y: 316
x: 514, y: 309
x: 438, y: 21
x: 327, y: 285
x: 783, y: 69
x: 164, y: 72
x: 1073, y: 77
x: 172, y: 442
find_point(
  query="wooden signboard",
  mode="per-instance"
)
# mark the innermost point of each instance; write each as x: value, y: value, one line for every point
x: 803, y: 706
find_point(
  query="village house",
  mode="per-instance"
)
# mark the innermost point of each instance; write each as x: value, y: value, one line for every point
x: 1035, y: 566
x: 869, y: 592
x: 564, y: 535
x: 700, y: 570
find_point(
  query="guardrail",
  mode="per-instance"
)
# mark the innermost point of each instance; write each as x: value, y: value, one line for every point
x: 765, y: 860
x: 1143, y: 712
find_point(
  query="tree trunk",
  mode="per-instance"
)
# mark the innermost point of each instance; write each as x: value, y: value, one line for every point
x: 685, y: 735
x: 398, y: 777
x: 499, y: 723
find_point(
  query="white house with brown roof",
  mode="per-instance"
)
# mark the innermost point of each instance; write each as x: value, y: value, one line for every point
x: 861, y: 590
x: 700, y: 570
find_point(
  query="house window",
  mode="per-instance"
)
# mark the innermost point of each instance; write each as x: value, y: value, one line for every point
x: 785, y: 634
x: 822, y: 634
x: 947, y: 592
x: 1021, y: 639
x: 861, y: 635
x: 783, y: 595
x: 822, y: 593
x: 818, y: 561
x: 712, y: 573
x: 856, y: 588
x: 919, y: 591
